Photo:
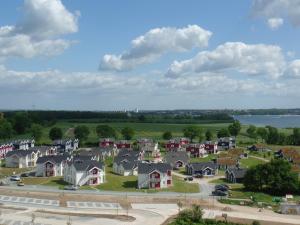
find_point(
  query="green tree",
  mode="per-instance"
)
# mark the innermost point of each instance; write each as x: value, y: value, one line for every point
x: 127, y: 133
x: 21, y: 122
x: 192, y: 132
x: 167, y: 135
x: 235, y: 128
x: 208, y: 135
x: 223, y: 133
x: 104, y: 131
x: 282, y: 138
x: 55, y: 133
x: 6, y: 130
x: 296, y: 136
x: 262, y: 133
x: 251, y: 131
x: 273, y: 135
x: 36, y: 131
x: 82, y: 132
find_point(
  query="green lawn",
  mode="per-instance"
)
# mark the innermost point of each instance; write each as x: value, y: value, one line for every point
x: 250, y: 162
x: 205, y: 159
x: 6, y: 172
x: 47, y: 181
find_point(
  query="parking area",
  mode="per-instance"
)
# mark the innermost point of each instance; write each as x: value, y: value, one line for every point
x: 23, y: 200
x: 17, y: 222
x: 93, y: 205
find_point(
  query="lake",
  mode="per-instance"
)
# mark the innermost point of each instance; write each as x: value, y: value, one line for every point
x: 280, y: 121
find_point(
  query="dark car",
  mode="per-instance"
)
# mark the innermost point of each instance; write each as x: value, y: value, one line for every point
x: 71, y: 188
x: 219, y: 193
x: 188, y: 178
x: 221, y: 188
x: 25, y: 175
x: 198, y: 175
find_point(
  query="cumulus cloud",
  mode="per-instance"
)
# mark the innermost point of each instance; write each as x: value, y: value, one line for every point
x: 278, y: 9
x: 293, y: 69
x: 275, y: 23
x: 37, y: 33
x: 238, y: 57
x: 154, y: 43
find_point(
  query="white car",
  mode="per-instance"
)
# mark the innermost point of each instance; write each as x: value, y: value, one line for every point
x: 15, y: 178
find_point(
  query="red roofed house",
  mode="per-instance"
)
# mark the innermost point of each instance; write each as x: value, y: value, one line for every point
x: 196, y: 150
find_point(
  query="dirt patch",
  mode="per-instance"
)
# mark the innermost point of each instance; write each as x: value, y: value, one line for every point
x: 123, y: 218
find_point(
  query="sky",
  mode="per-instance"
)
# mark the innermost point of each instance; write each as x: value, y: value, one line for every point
x: 171, y: 54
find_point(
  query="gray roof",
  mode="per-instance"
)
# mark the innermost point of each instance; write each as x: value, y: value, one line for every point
x: 129, y: 165
x: 42, y: 148
x: 202, y: 165
x: 146, y: 168
x: 52, y: 158
x: 21, y: 153
x: 87, y: 165
x: 127, y: 155
x: 173, y: 157
x: 238, y: 172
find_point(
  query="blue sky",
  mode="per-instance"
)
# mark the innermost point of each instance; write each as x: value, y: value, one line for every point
x: 113, y: 55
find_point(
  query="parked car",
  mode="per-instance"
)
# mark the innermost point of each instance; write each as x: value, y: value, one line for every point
x: 198, y: 175
x: 21, y: 184
x: 219, y: 193
x: 15, y: 178
x: 71, y: 188
x: 221, y: 188
x: 25, y: 175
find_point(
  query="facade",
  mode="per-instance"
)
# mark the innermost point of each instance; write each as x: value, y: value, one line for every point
x: 123, y: 144
x: 177, y: 159
x: 196, y: 150
x: 23, y: 144
x: 106, y: 142
x: 235, y: 175
x: 148, y: 146
x: 45, y: 150
x: 226, y: 143
x: 5, y: 148
x: 99, y: 154
x: 51, y: 165
x: 154, y: 175
x: 202, y: 168
x: 290, y: 208
x: 84, y: 172
x: 177, y: 144
x: 21, y: 158
x: 211, y: 147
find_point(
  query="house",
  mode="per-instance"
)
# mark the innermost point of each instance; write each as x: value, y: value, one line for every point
x: 148, y: 146
x: 226, y: 143
x: 259, y: 148
x: 66, y: 145
x: 21, y: 158
x: 99, y: 154
x: 45, y: 150
x: 123, y: 144
x: 106, y: 142
x: 235, y: 175
x: 287, y: 153
x: 5, y: 148
x: 225, y: 163
x: 211, y: 147
x: 177, y: 159
x: 81, y: 172
x: 125, y: 163
x: 202, y: 168
x: 154, y: 175
x: 23, y: 144
x: 177, y: 144
x: 51, y: 165
x: 196, y: 150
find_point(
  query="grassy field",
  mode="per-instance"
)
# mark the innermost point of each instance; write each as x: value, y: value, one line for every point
x: 250, y: 162
x: 6, y: 172
x: 47, y: 181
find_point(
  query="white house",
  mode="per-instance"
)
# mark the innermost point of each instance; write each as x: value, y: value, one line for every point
x: 5, y: 148
x: 84, y: 172
x: 21, y: 158
x: 125, y: 163
x: 154, y: 175
x: 23, y: 144
x: 66, y: 145
x: 45, y: 150
x: 51, y: 165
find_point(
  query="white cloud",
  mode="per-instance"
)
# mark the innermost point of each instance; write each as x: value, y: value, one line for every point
x: 293, y: 69
x: 154, y: 43
x: 36, y: 34
x: 278, y: 9
x: 275, y: 23
x: 235, y: 57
